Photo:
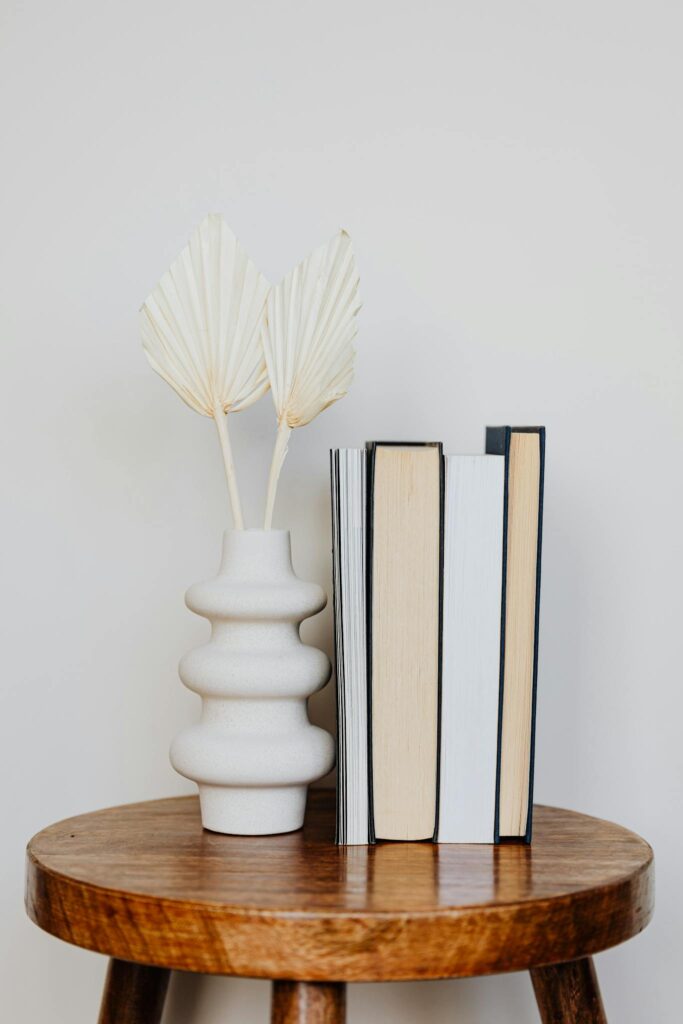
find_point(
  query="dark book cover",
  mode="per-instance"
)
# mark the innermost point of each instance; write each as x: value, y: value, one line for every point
x: 498, y: 443
x: 371, y: 447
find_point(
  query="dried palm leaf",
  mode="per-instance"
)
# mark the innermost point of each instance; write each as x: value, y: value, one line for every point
x: 201, y: 331
x: 308, y: 342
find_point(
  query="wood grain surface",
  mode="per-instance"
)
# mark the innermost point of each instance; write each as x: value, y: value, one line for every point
x: 133, y: 994
x: 568, y: 993
x: 300, y: 1002
x: 145, y: 883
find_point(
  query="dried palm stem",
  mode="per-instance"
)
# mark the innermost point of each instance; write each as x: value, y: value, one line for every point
x: 279, y: 453
x: 221, y: 421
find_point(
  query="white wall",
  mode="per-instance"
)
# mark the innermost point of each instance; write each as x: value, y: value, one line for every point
x: 511, y: 175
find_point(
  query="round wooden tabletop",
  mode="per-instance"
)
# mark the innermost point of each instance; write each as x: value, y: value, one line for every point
x: 145, y: 883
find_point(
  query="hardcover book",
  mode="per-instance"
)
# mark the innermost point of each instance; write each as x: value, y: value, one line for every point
x: 405, y: 515
x: 523, y: 449
x: 436, y: 565
x: 470, y: 675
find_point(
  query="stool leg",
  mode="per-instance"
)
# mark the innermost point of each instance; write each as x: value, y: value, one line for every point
x: 569, y: 993
x: 133, y: 994
x: 308, y: 1002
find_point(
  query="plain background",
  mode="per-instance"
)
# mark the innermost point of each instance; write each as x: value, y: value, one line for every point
x: 511, y: 176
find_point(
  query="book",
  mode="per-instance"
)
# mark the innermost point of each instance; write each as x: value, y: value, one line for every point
x: 404, y: 554
x: 348, y: 472
x: 470, y: 675
x: 523, y: 449
x: 436, y: 564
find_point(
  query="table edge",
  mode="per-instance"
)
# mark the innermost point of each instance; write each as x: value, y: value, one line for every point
x: 335, y: 945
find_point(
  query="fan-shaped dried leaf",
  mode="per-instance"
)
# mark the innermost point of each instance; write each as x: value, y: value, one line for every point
x: 309, y: 332
x: 201, y: 326
x: 308, y: 343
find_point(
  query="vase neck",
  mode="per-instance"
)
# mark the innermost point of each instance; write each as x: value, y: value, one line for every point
x: 254, y: 555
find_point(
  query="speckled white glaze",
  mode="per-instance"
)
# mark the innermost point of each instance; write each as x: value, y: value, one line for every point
x: 254, y: 751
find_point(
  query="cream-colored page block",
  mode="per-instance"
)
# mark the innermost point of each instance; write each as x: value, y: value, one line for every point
x: 520, y: 612
x: 405, y: 640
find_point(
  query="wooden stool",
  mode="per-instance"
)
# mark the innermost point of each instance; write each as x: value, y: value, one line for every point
x: 145, y: 885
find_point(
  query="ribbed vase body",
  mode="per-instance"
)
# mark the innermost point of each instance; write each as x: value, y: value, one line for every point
x: 254, y: 752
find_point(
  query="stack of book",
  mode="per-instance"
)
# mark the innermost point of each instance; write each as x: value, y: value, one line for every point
x: 437, y: 564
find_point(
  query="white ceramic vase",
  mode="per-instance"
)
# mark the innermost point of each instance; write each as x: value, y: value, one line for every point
x: 254, y: 752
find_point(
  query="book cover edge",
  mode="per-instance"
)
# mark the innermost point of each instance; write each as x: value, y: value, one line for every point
x: 504, y: 434
x: 369, y: 501
x: 498, y: 443
x: 537, y: 615
x: 439, y: 681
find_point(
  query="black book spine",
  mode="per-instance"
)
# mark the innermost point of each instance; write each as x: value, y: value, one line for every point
x: 539, y: 544
x: 442, y: 499
x: 371, y: 447
x: 498, y: 443
x: 369, y: 501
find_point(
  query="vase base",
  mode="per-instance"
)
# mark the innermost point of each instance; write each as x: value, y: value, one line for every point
x: 252, y: 810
